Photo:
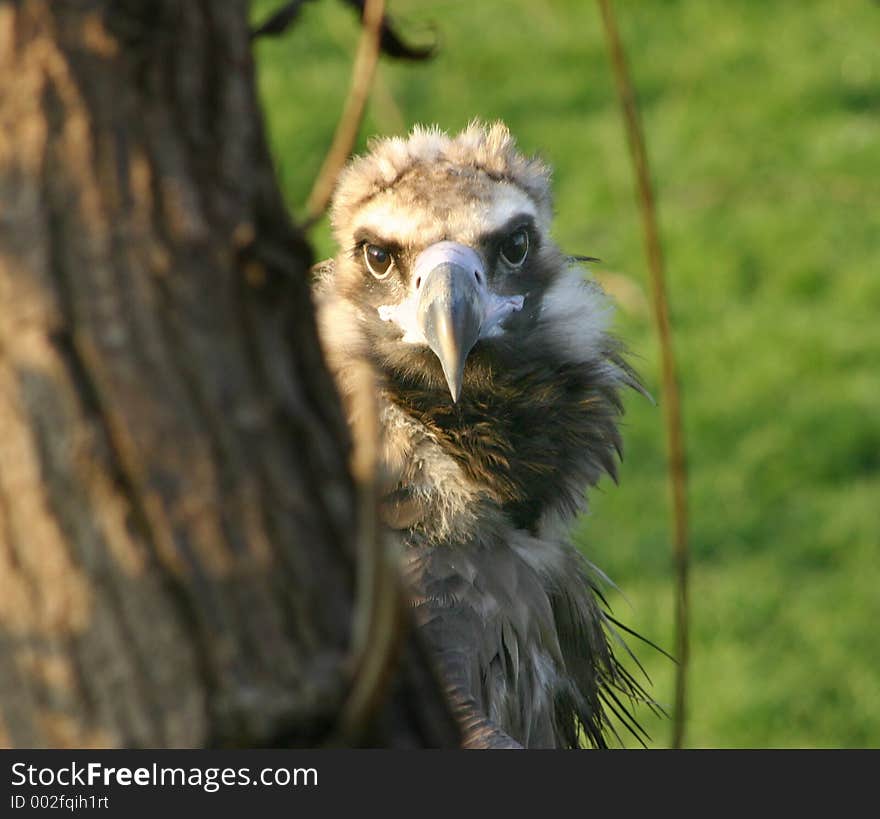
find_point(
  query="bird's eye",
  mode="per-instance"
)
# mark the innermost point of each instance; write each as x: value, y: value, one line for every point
x: 516, y: 247
x: 378, y: 260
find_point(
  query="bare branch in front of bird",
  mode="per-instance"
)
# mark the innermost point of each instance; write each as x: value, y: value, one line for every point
x: 362, y: 74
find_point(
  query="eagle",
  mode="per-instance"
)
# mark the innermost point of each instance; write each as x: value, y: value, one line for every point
x: 499, y: 397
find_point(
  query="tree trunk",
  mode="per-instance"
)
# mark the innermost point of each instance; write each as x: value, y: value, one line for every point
x: 177, y: 516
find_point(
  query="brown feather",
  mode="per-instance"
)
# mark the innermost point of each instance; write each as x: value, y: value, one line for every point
x: 480, y: 492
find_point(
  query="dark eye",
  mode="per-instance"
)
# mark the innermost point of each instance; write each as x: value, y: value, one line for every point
x: 515, y: 247
x: 378, y: 260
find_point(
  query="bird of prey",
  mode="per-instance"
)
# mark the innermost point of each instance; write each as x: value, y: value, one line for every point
x: 499, y: 390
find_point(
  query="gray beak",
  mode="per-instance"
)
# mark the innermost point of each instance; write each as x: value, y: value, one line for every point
x: 450, y: 306
x: 450, y: 313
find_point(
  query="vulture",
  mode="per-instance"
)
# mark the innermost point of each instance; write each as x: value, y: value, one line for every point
x: 499, y: 395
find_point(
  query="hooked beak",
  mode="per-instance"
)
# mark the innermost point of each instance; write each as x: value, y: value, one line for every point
x: 450, y: 315
x: 450, y: 307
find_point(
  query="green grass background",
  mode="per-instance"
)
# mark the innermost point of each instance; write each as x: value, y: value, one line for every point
x: 763, y: 126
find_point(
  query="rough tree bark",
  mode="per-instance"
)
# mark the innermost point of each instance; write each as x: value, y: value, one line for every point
x: 177, y: 517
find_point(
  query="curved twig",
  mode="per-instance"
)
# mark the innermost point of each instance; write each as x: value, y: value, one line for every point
x: 362, y: 74
x: 378, y: 623
x: 280, y: 20
x: 391, y: 43
x: 670, y: 388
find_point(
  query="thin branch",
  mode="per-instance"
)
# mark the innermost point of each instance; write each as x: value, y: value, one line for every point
x: 378, y: 624
x: 670, y: 388
x: 349, y: 123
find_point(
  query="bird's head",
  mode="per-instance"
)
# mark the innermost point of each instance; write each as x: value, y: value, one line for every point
x: 445, y: 250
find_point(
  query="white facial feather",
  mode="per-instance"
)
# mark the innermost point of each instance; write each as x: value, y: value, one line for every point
x: 480, y: 152
x: 507, y: 202
x: 416, y: 224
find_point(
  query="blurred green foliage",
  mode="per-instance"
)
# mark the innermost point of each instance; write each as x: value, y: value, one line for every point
x: 763, y: 127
